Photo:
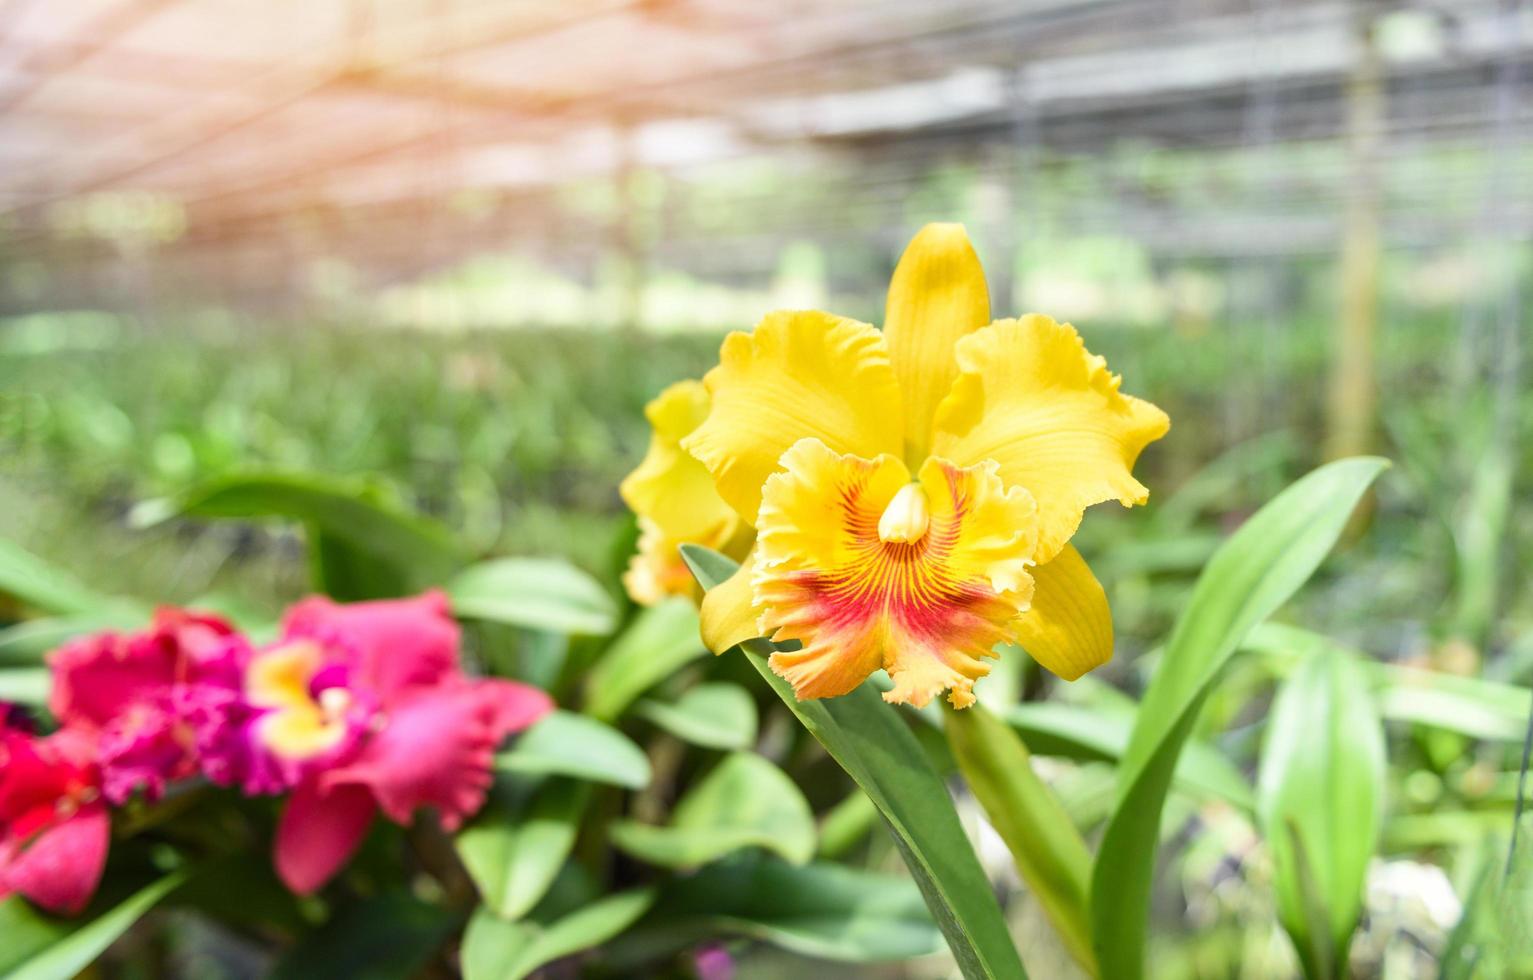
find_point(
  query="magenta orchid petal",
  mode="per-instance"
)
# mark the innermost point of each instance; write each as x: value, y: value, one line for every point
x: 61, y: 867
x: 401, y: 643
x: 319, y: 832
x: 437, y: 747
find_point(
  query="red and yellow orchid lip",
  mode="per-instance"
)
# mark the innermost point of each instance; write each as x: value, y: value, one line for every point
x: 809, y: 429
x: 868, y: 569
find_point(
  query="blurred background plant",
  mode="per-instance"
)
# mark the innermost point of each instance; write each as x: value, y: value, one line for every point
x: 438, y: 256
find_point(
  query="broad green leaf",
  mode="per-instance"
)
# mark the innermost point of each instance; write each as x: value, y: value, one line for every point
x: 714, y: 716
x: 745, y: 801
x: 826, y: 911
x: 351, y: 529
x: 38, y: 946
x: 1320, y: 797
x: 533, y: 593
x: 25, y: 685
x: 515, y: 846
x: 875, y: 747
x: 660, y: 641
x: 1253, y: 574
x: 566, y: 744
x: 385, y: 937
x: 46, y: 588
x: 1048, y: 850
x: 1051, y: 728
x: 494, y: 949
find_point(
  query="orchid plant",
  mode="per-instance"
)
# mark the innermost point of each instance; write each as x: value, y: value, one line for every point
x: 439, y: 763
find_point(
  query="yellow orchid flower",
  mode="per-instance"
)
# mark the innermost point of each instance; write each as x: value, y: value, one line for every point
x: 673, y: 496
x: 914, y: 490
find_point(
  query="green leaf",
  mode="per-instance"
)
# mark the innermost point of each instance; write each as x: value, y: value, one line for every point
x: 1320, y: 804
x: 1253, y: 574
x: 1048, y: 850
x: 1471, y: 706
x: 515, y: 846
x: 533, y: 593
x: 872, y: 743
x: 566, y: 744
x: 27, y: 643
x: 36, y: 583
x: 660, y: 641
x: 1074, y: 732
x: 363, y: 547
x: 25, y: 685
x: 38, y: 946
x: 821, y: 910
x: 386, y: 937
x: 745, y: 801
x: 494, y: 949
x: 714, y: 716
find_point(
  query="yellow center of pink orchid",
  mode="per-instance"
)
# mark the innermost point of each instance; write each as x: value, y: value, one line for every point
x: 298, y: 725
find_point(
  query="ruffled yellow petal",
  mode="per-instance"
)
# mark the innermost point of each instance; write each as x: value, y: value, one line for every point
x: 656, y: 571
x: 1031, y: 397
x: 937, y: 295
x: 798, y: 375
x: 1069, y: 628
x: 729, y: 612
x: 926, y: 608
x: 670, y: 488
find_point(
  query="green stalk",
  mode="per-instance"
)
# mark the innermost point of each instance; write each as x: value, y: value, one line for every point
x: 1049, y: 852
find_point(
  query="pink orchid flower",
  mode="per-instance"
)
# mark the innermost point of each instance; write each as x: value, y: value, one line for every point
x: 359, y: 709
x: 54, y: 827
x: 132, y: 693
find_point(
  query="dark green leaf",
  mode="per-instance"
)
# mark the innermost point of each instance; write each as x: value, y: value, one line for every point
x: 872, y: 743
x: 566, y: 744
x: 352, y: 531
x: 533, y: 593
x: 822, y: 910
x: 1256, y: 571
x: 386, y: 937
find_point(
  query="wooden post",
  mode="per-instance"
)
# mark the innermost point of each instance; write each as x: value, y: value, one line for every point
x: 1353, y: 388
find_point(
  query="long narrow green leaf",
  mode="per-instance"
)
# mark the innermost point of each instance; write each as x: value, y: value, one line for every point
x: 1320, y: 804
x: 877, y: 749
x: 1049, y: 852
x: 1253, y: 574
x: 41, y: 947
x: 50, y: 589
